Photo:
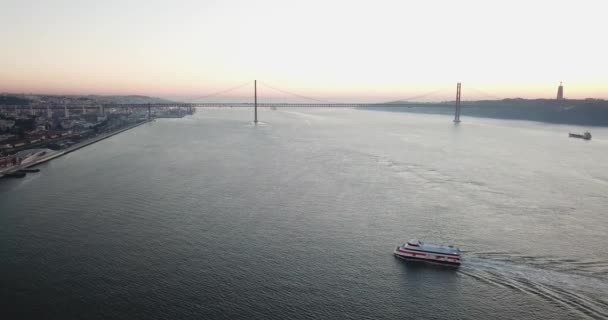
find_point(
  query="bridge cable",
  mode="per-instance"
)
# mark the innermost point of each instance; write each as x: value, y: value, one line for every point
x: 217, y: 93
x: 424, y: 95
x: 483, y: 93
x: 294, y: 94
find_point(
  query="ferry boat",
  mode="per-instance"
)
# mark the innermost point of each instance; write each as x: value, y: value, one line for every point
x: 586, y: 135
x: 424, y: 251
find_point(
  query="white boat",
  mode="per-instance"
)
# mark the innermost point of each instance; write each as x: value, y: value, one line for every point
x: 424, y: 251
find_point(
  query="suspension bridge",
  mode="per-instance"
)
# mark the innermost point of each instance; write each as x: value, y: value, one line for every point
x: 189, y: 104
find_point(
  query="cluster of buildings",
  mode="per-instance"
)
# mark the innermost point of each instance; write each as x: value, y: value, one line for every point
x: 56, y: 122
x: 39, y: 124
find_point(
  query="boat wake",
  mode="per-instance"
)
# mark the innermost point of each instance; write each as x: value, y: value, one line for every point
x: 595, y: 268
x: 583, y: 294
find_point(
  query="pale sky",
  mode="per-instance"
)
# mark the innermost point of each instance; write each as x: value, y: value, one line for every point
x: 338, y: 50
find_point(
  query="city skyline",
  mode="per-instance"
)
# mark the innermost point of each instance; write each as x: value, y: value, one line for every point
x: 337, y: 51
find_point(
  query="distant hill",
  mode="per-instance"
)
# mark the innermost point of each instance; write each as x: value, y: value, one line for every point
x: 589, y: 112
x: 15, y: 99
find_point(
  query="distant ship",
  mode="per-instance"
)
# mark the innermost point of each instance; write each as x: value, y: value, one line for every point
x: 423, y: 251
x: 586, y: 135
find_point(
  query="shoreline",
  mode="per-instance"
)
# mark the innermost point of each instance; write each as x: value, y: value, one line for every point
x: 590, y: 115
x: 70, y: 149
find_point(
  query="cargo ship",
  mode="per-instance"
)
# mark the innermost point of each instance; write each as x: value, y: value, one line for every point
x: 429, y: 252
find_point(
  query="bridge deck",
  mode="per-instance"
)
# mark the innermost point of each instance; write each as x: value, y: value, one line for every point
x: 197, y: 105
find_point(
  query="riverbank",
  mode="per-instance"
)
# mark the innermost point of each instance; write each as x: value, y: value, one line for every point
x: 56, y: 154
x: 569, y: 112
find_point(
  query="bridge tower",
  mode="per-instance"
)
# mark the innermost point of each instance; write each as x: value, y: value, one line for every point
x: 457, y: 110
x: 255, y: 101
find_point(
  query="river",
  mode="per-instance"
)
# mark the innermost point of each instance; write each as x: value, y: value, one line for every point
x: 211, y: 216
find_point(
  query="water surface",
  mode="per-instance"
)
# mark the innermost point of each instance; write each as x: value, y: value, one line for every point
x: 213, y: 217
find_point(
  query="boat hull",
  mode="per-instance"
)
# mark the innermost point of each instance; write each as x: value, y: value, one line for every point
x: 579, y: 136
x: 407, y: 256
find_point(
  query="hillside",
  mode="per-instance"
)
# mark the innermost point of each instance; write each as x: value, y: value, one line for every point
x: 589, y: 112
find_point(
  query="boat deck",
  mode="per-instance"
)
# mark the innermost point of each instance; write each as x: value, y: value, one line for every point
x: 433, y: 247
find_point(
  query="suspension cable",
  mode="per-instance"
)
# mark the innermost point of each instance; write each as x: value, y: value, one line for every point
x: 217, y: 93
x: 294, y: 94
x: 424, y: 95
x: 483, y: 93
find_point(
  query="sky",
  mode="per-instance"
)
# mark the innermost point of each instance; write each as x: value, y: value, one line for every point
x: 331, y: 49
